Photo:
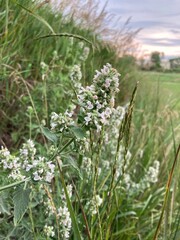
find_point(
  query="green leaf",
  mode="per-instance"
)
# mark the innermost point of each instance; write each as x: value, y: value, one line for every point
x: 21, y: 202
x: 78, y: 132
x: 72, y: 163
x: 4, y: 206
x: 77, y: 234
x: 127, y: 230
x: 130, y: 213
x: 49, y: 135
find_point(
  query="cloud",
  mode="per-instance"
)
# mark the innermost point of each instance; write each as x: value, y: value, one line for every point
x: 161, y: 42
x: 159, y: 20
x: 175, y: 31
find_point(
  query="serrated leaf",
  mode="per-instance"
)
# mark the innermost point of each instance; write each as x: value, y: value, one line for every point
x: 49, y: 135
x: 21, y: 202
x: 78, y: 132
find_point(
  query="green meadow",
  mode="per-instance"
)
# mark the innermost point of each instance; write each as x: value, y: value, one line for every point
x: 165, y: 85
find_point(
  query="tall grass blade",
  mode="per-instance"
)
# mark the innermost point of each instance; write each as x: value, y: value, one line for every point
x: 83, y: 213
x: 65, y: 35
x: 7, y: 17
x: 166, y: 194
x: 37, y: 17
x: 177, y: 222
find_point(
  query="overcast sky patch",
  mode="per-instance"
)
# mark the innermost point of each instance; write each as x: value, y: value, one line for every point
x: 159, y: 21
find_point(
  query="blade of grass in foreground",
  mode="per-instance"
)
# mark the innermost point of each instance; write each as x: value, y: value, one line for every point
x: 37, y: 17
x: 83, y: 213
x: 166, y: 194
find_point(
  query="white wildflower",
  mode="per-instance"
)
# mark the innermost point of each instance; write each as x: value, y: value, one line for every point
x: 96, y: 99
x: 36, y: 176
x: 89, y: 105
x: 64, y: 214
x: 107, y: 83
x: 49, y: 231
x: 87, y: 118
x: 75, y: 76
x: 94, y: 204
x: 86, y: 165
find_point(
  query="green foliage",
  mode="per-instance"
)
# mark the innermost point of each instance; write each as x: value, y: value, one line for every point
x: 49, y: 135
x: 78, y: 132
x: 4, y: 204
x: 156, y: 60
x: 21, y: 202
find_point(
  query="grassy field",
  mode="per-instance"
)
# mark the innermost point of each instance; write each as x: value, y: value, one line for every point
x: 159, y: 98
x: 164, y: 86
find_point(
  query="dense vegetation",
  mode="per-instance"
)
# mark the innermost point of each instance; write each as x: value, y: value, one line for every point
x: 80, y: 159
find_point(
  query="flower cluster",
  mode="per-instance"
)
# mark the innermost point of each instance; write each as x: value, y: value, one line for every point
x: 84, y: 51
x: 42, y: 169
x: 50, y: 209
x: 44, y: 69
x: 60, y: 122
x: 85, y: 54
x: 27, y: 164
x: 12, y: 163
x: 75, y: 76
x: 153, y: 172
x: 112, y: 133
x: 64, y: 214
x: 49, y: 231
x: 123, y: 161
x: 94, y: 204
x: 97, y: 100
x: 87, y: 165
x: 28, y: 151
x: 39, y: 167
x: 150, y: 177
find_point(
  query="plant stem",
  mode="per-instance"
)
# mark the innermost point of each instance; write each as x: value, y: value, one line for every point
x: 7, y: 18
x: 14, y: 184
x: 31, y: 218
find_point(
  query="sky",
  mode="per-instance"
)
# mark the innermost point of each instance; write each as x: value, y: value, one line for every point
x: 159, y: 21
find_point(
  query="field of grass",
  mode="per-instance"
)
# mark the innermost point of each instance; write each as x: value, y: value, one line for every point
x: 80, y: 159
x: 165, y: 86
